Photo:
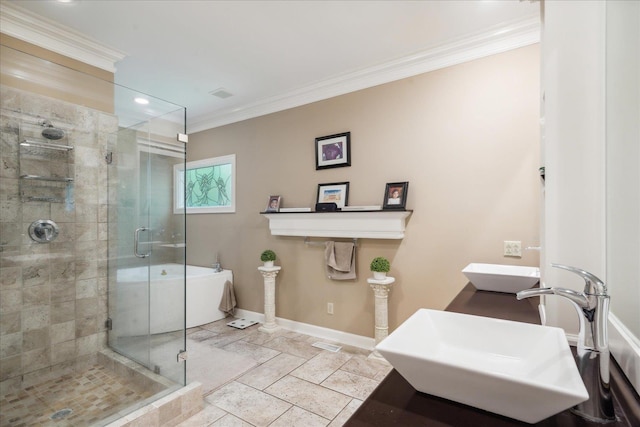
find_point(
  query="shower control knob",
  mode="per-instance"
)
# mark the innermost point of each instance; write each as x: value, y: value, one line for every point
x: 43, y: 230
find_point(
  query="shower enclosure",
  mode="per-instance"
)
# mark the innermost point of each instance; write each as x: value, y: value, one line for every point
x: 145, y: 235
x: 86, y: 192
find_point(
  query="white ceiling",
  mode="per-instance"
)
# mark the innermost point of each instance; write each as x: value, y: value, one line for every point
x: 273, y: 55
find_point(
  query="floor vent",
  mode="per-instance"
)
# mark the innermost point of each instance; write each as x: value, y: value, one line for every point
x: 58, y: 415
x: 325, y: 346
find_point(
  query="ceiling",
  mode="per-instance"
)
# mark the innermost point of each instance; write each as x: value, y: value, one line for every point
x: 273, y: 55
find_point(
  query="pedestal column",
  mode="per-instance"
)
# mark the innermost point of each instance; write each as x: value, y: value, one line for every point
x: 269, y: 274
x: 381, y: 290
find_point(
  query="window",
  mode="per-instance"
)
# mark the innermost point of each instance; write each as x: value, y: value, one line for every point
x: 208, y: 186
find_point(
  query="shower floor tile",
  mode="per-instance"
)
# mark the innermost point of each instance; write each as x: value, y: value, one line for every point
x: 92, y: 395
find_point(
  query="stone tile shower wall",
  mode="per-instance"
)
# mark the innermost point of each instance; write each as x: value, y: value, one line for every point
x: 53, y: 296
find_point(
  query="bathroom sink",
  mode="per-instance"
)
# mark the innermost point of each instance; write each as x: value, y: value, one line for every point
x: 519, y: 370
x: 502, y: 278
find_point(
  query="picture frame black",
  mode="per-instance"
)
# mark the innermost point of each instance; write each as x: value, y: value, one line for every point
x: 333, y: 151
x: 334, y: 192
x: 273, y: 205
x: 395, y: 196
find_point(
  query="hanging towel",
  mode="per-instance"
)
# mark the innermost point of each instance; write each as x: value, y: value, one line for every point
x: 340, y: 260
x: 228, y: 300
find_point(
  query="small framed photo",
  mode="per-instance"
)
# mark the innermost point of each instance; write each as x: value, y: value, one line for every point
x: 333, y: 151
x: 274, y: 204
x: 395, y: 195
x: 337, y: 192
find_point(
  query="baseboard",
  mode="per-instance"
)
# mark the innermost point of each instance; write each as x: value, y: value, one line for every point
x: 340, y: 337
x: 624, y: 346
x: 572, y: 338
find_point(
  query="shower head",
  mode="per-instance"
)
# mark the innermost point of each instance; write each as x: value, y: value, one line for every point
x: 51, y: 132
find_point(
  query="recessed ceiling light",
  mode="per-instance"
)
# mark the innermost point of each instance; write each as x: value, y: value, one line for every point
x: 141, y: 101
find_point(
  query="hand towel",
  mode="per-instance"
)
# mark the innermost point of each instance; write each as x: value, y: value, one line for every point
x: 228, y: 300
x: 340, y: 260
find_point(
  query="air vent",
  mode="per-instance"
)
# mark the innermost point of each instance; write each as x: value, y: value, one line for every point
x: 221, y: 93
x: 326, y: 346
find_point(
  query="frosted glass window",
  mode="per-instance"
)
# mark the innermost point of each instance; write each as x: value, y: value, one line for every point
x: 206, y: 186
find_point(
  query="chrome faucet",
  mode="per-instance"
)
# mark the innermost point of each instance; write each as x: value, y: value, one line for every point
x: 592, y: 357
x: 217, y: 267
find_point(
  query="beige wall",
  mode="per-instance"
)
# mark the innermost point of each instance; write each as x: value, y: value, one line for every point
x: 73, y: 81
x: 465, y: 137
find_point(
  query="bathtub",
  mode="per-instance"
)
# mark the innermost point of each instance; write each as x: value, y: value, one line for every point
x: 165, y: 298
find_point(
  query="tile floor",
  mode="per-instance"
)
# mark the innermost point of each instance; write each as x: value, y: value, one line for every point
x: 249, y: 378
x: 252, y: 378
x: 93, y: 394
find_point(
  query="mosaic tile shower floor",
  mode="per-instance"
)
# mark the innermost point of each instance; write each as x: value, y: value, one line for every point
x: 92, y: 395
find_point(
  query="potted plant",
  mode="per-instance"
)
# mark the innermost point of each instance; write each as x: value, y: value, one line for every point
x: 268, y: 256
x: 380, y: 267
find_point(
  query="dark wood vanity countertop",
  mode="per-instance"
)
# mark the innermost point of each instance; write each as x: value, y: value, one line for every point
x: 396, y: 403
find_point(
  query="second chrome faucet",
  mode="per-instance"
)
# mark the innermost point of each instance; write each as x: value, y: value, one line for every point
x: 592, y: 305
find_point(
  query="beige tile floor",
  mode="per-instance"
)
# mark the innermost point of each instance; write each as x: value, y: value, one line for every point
x: 252, y: 378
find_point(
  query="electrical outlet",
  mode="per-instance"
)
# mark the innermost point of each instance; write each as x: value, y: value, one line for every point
x: 513, y: 248
x: 329, y: 308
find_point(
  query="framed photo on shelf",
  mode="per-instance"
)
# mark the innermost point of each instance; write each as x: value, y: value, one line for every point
x: 395, y: 195
x: 333, y: 151
x: 274, y: 204
x: 336, y: 192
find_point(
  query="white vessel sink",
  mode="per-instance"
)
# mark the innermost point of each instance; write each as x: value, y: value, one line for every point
x: 518, y: 370
x: 502, y: 278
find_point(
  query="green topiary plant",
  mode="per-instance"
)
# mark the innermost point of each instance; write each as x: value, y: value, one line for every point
x: 380, y: 264
x: 268, y: 255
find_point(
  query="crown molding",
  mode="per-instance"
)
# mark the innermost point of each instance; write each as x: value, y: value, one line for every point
x: 495, y: 40
x: 40, y: 31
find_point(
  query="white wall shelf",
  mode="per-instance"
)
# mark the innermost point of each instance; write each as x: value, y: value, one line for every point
x: 351, y: 225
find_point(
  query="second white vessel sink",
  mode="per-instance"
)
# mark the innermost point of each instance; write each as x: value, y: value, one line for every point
x: 515, y: 369
x: 502, y: 278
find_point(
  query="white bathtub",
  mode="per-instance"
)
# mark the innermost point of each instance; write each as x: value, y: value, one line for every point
x: 165, y: 298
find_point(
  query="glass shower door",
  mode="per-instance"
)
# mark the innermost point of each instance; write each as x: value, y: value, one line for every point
x: 147, y: 246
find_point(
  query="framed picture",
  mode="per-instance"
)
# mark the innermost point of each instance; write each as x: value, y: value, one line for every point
x: 274, y: 204
x: 395, y: 195
x: 337, y: 192
x: 333, y: 151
